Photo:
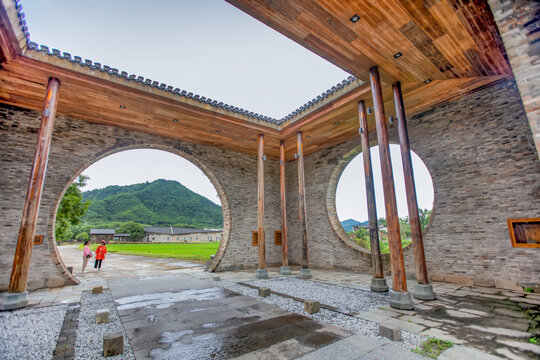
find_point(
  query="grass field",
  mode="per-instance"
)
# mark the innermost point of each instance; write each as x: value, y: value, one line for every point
x: 196, y: 251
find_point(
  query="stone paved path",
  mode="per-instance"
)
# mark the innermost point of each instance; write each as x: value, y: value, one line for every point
x: 481, y: 321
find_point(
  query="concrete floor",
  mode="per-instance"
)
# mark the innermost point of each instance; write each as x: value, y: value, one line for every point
x: 480, y: 320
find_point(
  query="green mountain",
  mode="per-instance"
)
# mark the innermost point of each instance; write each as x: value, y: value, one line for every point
x: 157, y: 203
x: 348, y: 224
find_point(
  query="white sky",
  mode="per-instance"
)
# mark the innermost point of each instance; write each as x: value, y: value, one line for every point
x: 210, y: 48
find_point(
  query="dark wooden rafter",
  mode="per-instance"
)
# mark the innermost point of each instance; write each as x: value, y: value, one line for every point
x: 260, y: 203
x: 25, y: 241
x: 410, y: 189
x: 284, y: 249
x: 399, y: 281
x: 370, y: 194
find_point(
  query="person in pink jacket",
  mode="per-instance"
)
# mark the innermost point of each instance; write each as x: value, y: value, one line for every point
x: 87, y: 254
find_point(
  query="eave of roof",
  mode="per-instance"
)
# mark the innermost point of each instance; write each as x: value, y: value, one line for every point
x: 95, y: 69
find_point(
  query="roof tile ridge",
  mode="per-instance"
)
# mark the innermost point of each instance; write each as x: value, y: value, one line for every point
x: 319, y: 98
x: 146, y: 81
x: 22, y: 20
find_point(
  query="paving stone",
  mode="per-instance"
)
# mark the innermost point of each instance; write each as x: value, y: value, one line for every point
x: 407, y: 326
x: 509, y: 354
x: 311, y: 307
x: 474, y: 312
x: 371, y: 316
x: 390, y: 331
x: 523, y: 346
x: 458, y: 352
x: 501, y: 331
x: 351, y: 348
x: 461, y: 314
x: 102, y: 316
x: 441, y: 334
x: 264, y: 292
x: 113, y: 344
x: 97, y: 290
x: 420, y: 320
x: 391, y: 352
x: 508, y: 312
x: 526, y: 300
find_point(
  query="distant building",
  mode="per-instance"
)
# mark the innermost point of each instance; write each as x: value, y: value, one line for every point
x: 360, y: 226
x: 121, y: 237
x: 96, y: 235
x: 177, y: 234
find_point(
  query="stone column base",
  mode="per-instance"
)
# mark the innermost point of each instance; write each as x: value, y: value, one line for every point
x: 401, y: 300
x: 262, y: 274
x: 379, y: 285
x: 285, y: 270
x: 424, y: 292
x: 305, y: 274
x: 12, y: 301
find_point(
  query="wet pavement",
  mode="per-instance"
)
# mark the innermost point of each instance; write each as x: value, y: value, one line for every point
x: 495, y: 321
x: 180, y: 317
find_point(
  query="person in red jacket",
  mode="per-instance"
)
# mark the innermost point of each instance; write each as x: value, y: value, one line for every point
x: 100, y: 255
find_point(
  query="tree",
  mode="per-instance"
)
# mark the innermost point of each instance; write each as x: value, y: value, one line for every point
x: 135, y: 230
x: 82, y: 237
x: 424, y: 215
x: 71, y: 209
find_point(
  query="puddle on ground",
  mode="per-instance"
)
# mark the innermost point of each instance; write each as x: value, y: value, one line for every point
x: 167, y: 299
x: 185, y: 264
x: 223, y: 342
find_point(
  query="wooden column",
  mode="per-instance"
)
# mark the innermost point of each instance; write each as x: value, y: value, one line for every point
x: 260, y: 202
x: 399, y: 282
x: 370, y: 193
x: 302, y: 200
x: 412, y: 204
x: 284, y: 255
x: 27, y: 231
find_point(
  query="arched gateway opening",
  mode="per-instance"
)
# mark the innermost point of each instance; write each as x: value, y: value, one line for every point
x: 198, y: 231
x: 350, y: 214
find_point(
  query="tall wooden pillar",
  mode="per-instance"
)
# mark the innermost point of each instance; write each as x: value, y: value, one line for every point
x: 262, y: 273
x: 304, y: 272
x: 423, y: 290
x: 378, y: 282
x: 27, y: 231
x: 399, y: 297
x: 285, y: 270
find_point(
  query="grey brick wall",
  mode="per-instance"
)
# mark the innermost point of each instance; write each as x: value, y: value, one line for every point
x: 479, y: 150
x: 518, y: 22
x: 76, y: 145
x: 482, y: 158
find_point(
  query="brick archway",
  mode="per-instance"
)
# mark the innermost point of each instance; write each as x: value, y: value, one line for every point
x: 120, y: 147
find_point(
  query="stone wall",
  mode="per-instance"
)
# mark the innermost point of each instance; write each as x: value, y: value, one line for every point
x: 479, y: 150
x: 518, y: 22
x: 76, y: 145
x: 482, y: 158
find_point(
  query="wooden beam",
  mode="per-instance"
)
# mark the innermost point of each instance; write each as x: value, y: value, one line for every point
x: 260, y: 202
x: 370, y: 193
x: 302, y: 200
x: 27, y: 231
x: 399, y: 282
x: 284, y: 255
x: 412, y: 204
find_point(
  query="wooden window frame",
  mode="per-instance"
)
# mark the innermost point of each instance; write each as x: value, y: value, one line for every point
x: 511, y: 223
x: 278, y: 239
x: 38, y: 240
x: 255, y: 238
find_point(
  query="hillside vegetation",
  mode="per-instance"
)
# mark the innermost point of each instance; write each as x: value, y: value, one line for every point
x: 157, y: 203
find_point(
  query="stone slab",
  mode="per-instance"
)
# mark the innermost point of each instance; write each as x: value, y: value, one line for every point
x: 264, y: 292
x: 311, y: 307
x: 351, y: 348
x: 102, y: 316
x: 458, y: 352
x: 390, y: 331
x: 113, y: 344
x: 97, y: 290
x: 501, y: 331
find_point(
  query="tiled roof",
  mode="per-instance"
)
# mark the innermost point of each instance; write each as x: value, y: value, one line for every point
x: 101, y: 231
x: 171, y: 230
x: 162, y: 86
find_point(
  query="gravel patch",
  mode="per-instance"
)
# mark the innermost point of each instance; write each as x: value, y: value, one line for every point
x: 351, y: 323
x: 343, y: 298
x: 30, y: 333
x: 89, y: 342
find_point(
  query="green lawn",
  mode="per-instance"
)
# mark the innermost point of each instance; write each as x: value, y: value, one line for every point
x: 196, y: 251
